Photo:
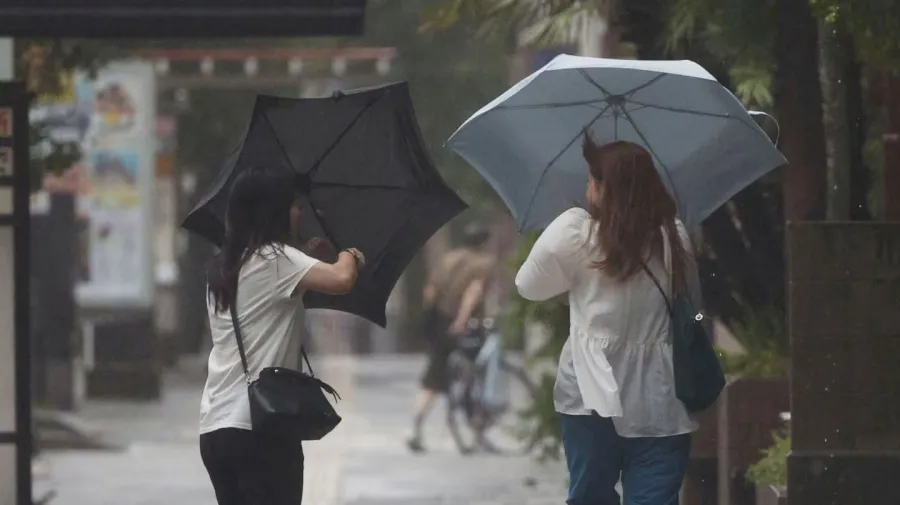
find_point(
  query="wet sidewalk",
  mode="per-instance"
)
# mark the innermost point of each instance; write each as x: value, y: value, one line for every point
x: 363, y: 462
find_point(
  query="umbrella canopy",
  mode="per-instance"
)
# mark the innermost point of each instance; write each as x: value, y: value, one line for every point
x: 365, y: 177
x: 527, y: 142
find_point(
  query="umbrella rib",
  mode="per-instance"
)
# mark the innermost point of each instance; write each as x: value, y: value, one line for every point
x: 315, y: 212
x: 317, y: 185
x: 548, y: 105
x: 325, y: 230
x: 277, y: 141
x: 334, y: 144
x: 647, y: 84
x: 555, y: 158
x: 637, y: 108
x: 700, y: 113
x: 580, y: 102
x: 652, y: 151
x: 595, y: 83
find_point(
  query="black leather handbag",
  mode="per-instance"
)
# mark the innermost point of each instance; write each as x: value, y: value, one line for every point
x: 285, y: 402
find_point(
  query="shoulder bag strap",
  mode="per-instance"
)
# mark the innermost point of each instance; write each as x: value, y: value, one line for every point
x: 660, y: 288
x: 667, y: 251
x: 306, y: 360
x: 240, y: 342
x: 239, y: 338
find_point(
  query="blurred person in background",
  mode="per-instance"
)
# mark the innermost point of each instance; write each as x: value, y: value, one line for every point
x: 453, y: 295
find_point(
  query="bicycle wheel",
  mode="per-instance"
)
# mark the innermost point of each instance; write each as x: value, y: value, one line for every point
x: 507, y: 429
x: 460, y: 404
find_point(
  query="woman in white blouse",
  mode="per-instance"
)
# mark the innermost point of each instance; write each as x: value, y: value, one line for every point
x: 615, y: 387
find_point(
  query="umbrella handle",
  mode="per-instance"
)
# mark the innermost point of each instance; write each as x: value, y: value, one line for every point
x: 766, y: 114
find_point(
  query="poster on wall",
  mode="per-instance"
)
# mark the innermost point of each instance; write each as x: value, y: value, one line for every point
x: 120, y: 156
x: 113, y: 119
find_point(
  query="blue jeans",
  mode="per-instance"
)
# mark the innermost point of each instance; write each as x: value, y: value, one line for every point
x: 651, y: 468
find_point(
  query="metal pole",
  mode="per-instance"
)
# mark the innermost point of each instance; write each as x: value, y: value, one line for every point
x: 8, y: 457
x: 15, y: 408
x: 7, y: 59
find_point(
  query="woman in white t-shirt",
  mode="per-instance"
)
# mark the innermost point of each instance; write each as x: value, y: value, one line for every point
x: 265, y: 277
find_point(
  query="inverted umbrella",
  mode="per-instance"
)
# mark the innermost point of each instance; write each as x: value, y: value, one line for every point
x: 365, y: 177
x: 527, y: 142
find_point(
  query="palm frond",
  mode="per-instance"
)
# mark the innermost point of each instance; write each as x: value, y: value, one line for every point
x: 687, y: 20
x: 752, y: 84
x: 538, y: 21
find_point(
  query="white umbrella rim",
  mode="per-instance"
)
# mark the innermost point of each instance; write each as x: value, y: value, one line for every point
x: 682, y: 68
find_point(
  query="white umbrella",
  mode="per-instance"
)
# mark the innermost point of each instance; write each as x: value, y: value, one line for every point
x: 527, y: 142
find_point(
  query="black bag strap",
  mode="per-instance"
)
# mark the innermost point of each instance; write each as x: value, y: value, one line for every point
x: 239, y: 338
x: 306, y: 360
x: 661, y: 290
x: 646, y: 268
x: 669, y: 305
x: 240, y: 343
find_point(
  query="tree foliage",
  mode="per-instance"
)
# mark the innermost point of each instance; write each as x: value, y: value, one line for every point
x: 546, y: 21
x: 741, y: 33
x: 452, y: 73
x: 47, y: 66
x: 772, y: 469
x: 874, y: 25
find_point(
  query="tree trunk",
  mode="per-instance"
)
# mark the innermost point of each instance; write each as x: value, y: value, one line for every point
x: 798, y: 107
x: 892, y: 147
x: 832, y: 64
x: 860, y: 178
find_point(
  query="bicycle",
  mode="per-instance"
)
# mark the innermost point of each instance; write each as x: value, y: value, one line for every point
x: 488, y: 394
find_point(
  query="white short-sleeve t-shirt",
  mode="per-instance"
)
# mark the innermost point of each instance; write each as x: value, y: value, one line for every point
x: 271, y: 316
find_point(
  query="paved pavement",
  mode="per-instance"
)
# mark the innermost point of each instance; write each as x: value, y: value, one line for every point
x: 363, y: 462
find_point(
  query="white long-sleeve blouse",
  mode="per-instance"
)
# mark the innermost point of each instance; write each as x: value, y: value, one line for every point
x: 617, y: 360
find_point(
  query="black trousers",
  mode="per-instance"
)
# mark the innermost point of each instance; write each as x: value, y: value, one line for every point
x: 247, y: 468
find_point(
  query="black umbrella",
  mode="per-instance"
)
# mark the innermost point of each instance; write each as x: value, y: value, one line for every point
x: 365, y: 175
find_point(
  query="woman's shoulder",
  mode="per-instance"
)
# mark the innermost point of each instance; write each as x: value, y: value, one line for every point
x: 568, y: 233
x: 576, y: 214
x: 273, y: 256
x: 271, y: 252
x: 572, y: 220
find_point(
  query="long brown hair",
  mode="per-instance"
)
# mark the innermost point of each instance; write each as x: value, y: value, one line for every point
x: 632, y: 212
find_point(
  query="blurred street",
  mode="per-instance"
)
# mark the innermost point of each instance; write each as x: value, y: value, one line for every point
x: 364, y: 462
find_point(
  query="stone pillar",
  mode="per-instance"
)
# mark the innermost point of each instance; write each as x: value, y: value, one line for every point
x: 844, y: 293
x: 58, y: 373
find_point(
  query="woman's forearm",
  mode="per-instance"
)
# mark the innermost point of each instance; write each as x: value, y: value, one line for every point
x: 336, y: 278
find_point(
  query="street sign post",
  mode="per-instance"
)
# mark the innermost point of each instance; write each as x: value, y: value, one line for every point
x: 15, y: 362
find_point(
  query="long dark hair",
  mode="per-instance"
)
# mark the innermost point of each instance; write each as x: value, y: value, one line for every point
x: 633, y: 211
x: 258, y: 215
